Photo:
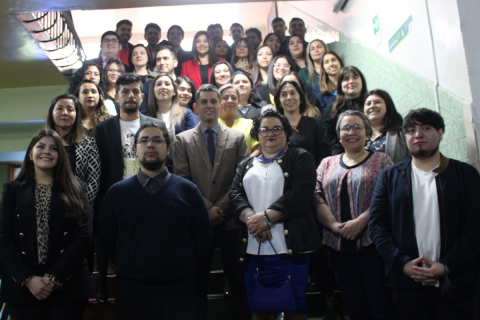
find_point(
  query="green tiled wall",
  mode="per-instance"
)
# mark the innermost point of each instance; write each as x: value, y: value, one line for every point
x: 408, y: 91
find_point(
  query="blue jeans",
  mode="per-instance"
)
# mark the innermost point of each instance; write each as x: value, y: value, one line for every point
x: 361, y: 280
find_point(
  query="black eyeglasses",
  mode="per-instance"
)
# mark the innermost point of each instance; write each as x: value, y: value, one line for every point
x: 264, y: 131
x: 155, y: 140
x: 357, y: 128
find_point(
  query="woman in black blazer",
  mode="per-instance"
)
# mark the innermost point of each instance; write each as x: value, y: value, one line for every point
x: 45, y: 231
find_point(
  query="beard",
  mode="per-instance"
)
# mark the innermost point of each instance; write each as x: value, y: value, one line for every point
x: 152, y: 165
x: 130, y: 110
x: 424, y: 154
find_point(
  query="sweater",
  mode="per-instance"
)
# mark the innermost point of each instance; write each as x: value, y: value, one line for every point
x: 155, y: 240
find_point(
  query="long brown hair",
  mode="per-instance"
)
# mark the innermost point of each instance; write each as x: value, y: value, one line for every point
x: 392, y: 121
x: 177, y: 113
x: 326, y: 84
x: 75, y: 136
x: 100, y: 112
x: 212, y: 57
x: 251, y: 52
x: 310, y: 62
x: 70, y: 191
x: 342, y: 100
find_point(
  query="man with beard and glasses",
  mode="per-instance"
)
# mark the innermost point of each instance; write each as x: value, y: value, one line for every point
x: 115, y: 141
x: 156, y: 229
x: 425, y: 222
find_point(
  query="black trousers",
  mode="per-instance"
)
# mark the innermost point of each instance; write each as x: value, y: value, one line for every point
x: 426, y: 303
x: 47, y: 311
x: 158, y: 306
x: 227, y: 241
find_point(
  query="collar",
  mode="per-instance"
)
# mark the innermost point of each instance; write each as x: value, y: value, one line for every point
x: 440, y: 169
x: 443, y: 164
x: 215, y: 128
x: 161, y: 178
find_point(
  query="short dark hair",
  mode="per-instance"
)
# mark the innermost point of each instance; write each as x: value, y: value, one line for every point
x: 164, y: 43
x: 216, y: 25
x: 154, y: 26
x: 109, y: 33
x: 270, y: 113
x: 124, y: 21
x: 278, y: 19
x: 207, y: 88
x: 236, y: 24
x: 151, y: 124
x: 161, y: 47
x: 176, y: 27
x: 423, y: 116
x: 301, y: 94
x: 258, y: 32
x: 127, y: 78
x: 296, y: 19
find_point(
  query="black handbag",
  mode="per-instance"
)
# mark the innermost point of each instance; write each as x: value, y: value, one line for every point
x: 271, y: 300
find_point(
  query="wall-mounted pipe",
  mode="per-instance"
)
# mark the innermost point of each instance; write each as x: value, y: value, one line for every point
x: 435, y: 85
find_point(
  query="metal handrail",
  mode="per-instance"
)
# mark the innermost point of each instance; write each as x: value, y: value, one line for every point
x: 50, y: 27
x: 55, y: 33
x: 28, y: 21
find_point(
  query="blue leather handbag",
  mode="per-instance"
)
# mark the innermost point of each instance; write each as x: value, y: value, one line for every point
x: 271, y: 300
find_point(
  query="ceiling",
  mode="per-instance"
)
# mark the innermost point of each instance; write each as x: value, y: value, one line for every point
x: 24, y: 64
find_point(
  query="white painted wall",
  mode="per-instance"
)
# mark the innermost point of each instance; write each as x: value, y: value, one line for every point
x: 414, y: 52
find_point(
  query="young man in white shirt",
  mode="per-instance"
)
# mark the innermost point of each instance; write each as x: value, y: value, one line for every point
x: 425, y: 222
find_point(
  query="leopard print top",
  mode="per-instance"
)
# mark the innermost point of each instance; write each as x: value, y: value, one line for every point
x: 43, y: 196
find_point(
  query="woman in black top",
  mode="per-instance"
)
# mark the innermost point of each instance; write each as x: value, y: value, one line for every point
x: 263, y: 56
x: 250, y: 104
x: 64, y: 117
x: 45, y: 231
x: 308, y: 133
x: 351, y: 90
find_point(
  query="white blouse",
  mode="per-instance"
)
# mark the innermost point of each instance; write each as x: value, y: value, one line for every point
x: 263, y: 186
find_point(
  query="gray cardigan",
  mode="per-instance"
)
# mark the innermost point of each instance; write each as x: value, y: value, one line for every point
x: 396, y: 146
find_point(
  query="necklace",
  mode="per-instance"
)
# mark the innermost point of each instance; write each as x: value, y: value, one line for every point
x: 263, y: 159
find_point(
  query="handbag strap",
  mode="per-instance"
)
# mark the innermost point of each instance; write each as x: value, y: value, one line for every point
x: 259, y: 244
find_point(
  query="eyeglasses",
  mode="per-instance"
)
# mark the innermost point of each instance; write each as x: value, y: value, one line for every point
x: 264, y: 131
x: 155, y: 140
x: 110, y: 41
x: 114, y: 70
x: 357, y: 128
x: 280, y: 65
x: 242, y: 45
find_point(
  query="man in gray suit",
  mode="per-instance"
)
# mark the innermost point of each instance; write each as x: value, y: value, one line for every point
x: 115, y: 141
x: 208, y: 156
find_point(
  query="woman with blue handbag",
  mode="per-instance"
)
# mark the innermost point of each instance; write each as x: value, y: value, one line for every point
x: 271, y: 198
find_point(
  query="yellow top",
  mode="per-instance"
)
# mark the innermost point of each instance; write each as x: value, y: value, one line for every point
x: 243, y: 125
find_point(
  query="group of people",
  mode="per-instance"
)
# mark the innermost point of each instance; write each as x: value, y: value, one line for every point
x: 280, y: 157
